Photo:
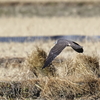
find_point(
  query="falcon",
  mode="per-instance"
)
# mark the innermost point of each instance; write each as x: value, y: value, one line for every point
x: 57, y: 49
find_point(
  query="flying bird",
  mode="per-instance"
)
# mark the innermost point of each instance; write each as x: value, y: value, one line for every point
x: 59, y: 46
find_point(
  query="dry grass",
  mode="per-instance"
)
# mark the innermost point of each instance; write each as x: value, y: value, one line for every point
x: 37, y: 26
x: 38, y: 56
x: 23, y: 1
x: 72, y: 77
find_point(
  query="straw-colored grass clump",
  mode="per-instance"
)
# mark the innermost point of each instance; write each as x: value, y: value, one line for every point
x: 84, y: 66
x: 35, y: 62
x: 65, y: 79
x: 79, y: 75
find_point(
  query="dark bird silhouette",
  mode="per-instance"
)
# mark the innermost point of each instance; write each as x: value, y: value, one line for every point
x: 60, y: 45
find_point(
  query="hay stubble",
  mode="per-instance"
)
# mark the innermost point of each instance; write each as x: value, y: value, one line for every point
x: 68, y: 76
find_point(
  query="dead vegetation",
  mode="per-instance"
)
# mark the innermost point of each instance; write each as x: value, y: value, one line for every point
x: 72, y: 78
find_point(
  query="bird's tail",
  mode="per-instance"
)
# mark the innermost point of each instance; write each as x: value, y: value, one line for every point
x: 77, y: 47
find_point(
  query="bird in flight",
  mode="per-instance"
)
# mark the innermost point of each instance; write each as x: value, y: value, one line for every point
x: 59, y: 46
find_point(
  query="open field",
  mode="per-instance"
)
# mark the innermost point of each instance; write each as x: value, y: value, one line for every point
x: 49, y: 26
x: 15, y: 49
x: 73, y: 76
x: 50, y: 19
x: 23, y: 1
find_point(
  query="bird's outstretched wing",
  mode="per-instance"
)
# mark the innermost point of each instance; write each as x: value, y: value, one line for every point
x: 76, y: 46
x: 56, y: 50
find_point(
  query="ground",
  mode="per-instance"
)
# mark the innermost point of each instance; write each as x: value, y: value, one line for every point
x: 71, y: 76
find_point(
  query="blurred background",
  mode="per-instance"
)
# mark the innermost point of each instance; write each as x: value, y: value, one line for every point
x: 22, y: 18
x: 49, y: 17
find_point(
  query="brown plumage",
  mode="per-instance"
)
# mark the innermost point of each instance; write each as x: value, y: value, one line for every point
x: 60, y: 45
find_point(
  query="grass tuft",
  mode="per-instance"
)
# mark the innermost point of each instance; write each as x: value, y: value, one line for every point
x: 35, y: 62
